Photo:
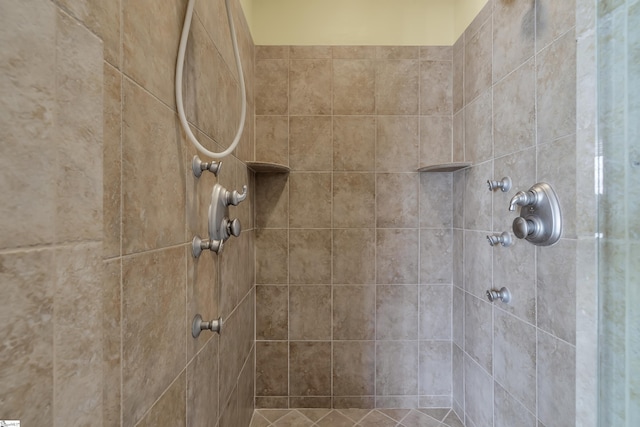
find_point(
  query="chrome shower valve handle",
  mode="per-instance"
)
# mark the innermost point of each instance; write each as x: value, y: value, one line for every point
x: 503, y: 239
x: 198, y: 166
x: 234, y: 198
x: 504, y: 184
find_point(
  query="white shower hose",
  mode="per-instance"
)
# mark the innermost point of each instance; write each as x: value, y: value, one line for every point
x: 179, y: 68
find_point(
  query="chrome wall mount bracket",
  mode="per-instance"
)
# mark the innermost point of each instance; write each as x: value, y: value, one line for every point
x: 221, y: 227
x: 198, y: 166
x: 504, y: 184
x: 540, y: 220
x: 503, y: 295
x: 503, y: 239
x: 200, y: 325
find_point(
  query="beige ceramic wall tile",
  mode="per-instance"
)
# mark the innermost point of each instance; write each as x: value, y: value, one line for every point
x: 556, y: 380
x: 272, y: 86
x: 28, y: 37
x: 552, y: 20
x: 209, y: 84
x: 170, y: 407
x: 310, y: 256
x: 213, y: 17
x: 272, y: 261
x: 202, y: 387
x: 153, y: 327
x: 509, y: 412
x: 353, y: 256
x: 556, y: 74
x: 354, y: 52
x: 353, y: 200
x: 112, y: 341
x: 229, y: 271
x: 436, y: 256
x: 435, y: 312
x: 309, y: 309
x: 112, y: 161
x: 478, y: 394
x: 79, y: 99
x: 310, y: 368
x: 103, y: 18
x: 393, y: 211
x: 436, y: 200
x: 436, y: 87
x: 556, y: 166
x: 477, y: 198
x: 513, y: 35
x: 272, y: 52
x: 397, y: 312
x: 436, y: 53
x: 78, y: 380
x: 272, y: 139
x: 310, y: 200
x: 203, y: 295
x: 478, y: 137
x: 478, y: 339
x: 230, y: 357
x: 435, y: 368
x: 272, y: 315
x: 310, y: 144
x: 397, y: 144
x: 354, y: 311
x: 458, y: 137
x: 515, y: 357
x: 310, y: 86
x: 399, y: 92
x: 397, y: 52
x: 396, y: 366
x: 354, y: 86
x: 556, y: 270
x: 435, y: 140
x: 272, y: 201
x: 396, y: 256
x: 354, y: 142
x: 514, y: 115
x: 27, y: 328
x: 310, y: 52
x: 458, y: 75
x: 149, y: 56
x: 477, y: 63
x: 478, y: 262
x: 229, y: 411
x: 353, y: 368
x: 150, y: 136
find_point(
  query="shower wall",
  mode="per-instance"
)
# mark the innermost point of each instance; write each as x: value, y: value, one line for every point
x: 353, y: 247
x: 99, y: 209
x: 514, y: 98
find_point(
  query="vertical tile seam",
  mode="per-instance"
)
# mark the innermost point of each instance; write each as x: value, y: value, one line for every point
x: 121, y: 226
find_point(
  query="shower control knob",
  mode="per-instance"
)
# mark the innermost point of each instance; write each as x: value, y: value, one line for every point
x: 504, y: 239
x: 198, y: 245
x: 234, y: 198
x: 503, y: 295
x: 232, y: 227
x: 525, y: 227
x: 504, y: 184
x: 198, y: 166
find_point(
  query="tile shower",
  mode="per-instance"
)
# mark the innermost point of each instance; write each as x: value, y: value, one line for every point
x: 369, y: 276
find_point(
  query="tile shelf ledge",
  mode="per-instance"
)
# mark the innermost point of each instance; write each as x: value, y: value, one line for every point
x: 268, y: 167
x: 445, y: 167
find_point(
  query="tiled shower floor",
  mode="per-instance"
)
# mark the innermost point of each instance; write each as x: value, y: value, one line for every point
x: 432, y: 417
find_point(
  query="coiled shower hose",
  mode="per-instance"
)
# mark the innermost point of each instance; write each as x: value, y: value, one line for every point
x: 179, y: 68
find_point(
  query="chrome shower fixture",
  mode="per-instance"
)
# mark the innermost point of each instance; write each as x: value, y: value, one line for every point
x: 503, y: 239
x: 540, y: 220
x: 198, y: 166
x: 221, y: 227
x: 504, y: 184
